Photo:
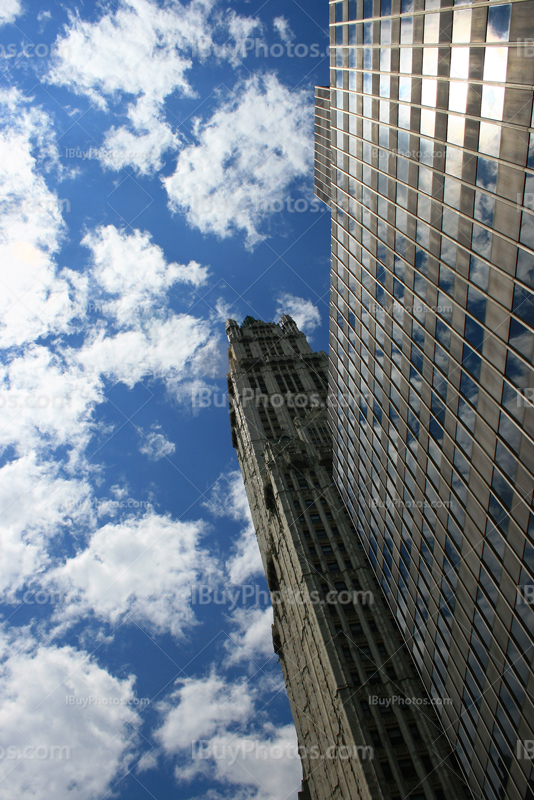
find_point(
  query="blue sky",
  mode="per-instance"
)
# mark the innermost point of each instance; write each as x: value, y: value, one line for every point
x: 156, y: 179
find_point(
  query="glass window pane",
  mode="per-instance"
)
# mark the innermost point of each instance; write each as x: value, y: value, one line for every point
x: 453, y: 164
x: 446, y: 279
x: 492, y: 102
x: 385, y: 59
x: 460, y: 63
x: 487, y: 174
x: 530, y: 162
x: 431, y: 28
x: 425, y: 180
x: 495, y: 64
x: 404, y: 117
x: 456, y: 130
x: 407, y: 30
x: 481, y: 241
x: 523, y: 304
x: 430, y: 61
x: 517, y: 370
x: 385, y: 31
x: 452, y: 192
x: 521, y: 339
x: 479, y: 272
x: 476, y: 304
x: 448, y: 252
x: 489, y: 139
x: 498, y: 23
x: 528, y: 196
x: 426, y: 151
x: 429, y: 90
x: 525, y: 267
x: 461, y: 31
x: 458, y: 97
x: 405, y: 64
x: 527, y: 231
x: 405, y: 89
x: 384, y: 86
x: 428, y: 122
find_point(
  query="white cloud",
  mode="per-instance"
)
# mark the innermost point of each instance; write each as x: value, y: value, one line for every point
x: 304, y: 312
x: 229, y: 498
x: 248, y: 154
x: 144, y: 51
x: 200, y: 708
x: 252, y: 639
x: 154, y: 445
x: 9, y: 10
x: 46, y: 403
x: 142, y: 149
x: 130, y: 276
x: 129, y: 282
x: 230, y: 742
x: 138, y: 50
x: 35, y: 503
x: 283, y: 29
x: 62, y: 743
x: 170, y: 349
x: 36, y: 298
x: 246, y: 560
x: 240, y: 30
x: 140, y: 568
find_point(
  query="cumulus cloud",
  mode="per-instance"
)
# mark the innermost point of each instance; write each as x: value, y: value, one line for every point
x: 46, y: 402
x: 283, y: 29
x: 141, y: 569
x: 232, y: 745
x: 37, y: 298
x: 170, y: 350
x: 51, y: 747
x: 142, y: 50
x: 36, y: 503
x: 228, y: 498
x: 155, y: 446
x: 144, y: 145
x: 9, y: 10
x: 131, y: 277
x: 251, y: 639
x: 248, y: 154
x: 304, y: 312
x: 134, y: 51
x: 129, y: 283
x: 200, y: 707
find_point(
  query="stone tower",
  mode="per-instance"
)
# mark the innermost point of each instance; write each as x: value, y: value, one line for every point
x: 365, y: 726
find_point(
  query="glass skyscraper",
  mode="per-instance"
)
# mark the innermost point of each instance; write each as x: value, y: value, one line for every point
x: 425, y: 154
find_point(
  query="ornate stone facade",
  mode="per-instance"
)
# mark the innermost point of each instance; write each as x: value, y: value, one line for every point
x: 352, y: 686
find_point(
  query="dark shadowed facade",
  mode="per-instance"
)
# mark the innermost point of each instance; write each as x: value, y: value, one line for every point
x: 365, y: 726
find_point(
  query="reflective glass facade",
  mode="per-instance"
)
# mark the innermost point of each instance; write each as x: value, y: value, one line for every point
x: 432, y: 340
